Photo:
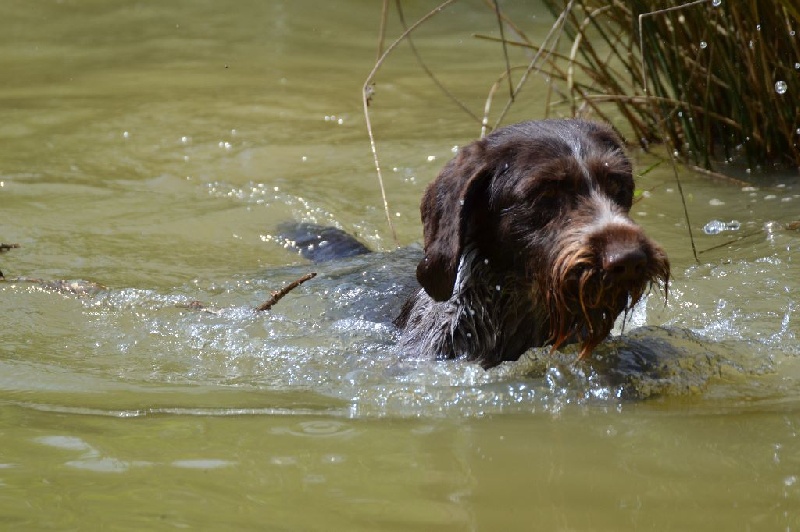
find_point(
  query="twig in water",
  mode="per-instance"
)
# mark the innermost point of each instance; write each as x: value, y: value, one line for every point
x: 732, y: 241
x: 198, y: 305
x: 278, y: 295
x: 6, y: 247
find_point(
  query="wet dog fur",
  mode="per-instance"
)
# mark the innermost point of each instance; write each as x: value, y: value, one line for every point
x: 527, y: 242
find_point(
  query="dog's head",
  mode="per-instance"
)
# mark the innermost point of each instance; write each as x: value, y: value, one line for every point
x: 547, y: 201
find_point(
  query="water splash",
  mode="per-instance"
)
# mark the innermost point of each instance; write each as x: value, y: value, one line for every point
x: 715, y: 227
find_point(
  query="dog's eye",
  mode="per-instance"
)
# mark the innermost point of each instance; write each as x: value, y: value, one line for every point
x: 548, y: 198
x: 620, y: 188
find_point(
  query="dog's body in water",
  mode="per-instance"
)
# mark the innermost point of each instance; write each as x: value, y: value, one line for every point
x: 527, y: 242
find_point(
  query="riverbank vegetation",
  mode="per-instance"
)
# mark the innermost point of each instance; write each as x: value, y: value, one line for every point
x: 716, y: 81
x: 719, y: 80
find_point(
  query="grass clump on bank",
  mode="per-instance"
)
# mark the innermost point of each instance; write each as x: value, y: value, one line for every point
x: 718, y: 80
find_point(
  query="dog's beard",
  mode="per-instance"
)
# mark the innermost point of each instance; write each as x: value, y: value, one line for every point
x: 584, y: 302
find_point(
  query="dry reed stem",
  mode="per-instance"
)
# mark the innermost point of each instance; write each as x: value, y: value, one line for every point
x: 555, y: 30
x: 664, y: 135
x: 487, y: 106
x: 641, y: 34
x: 382, y: 30
x: 366, y: 93
x: 501, y: 26
x: 428, y: 71
x: 508, y: 22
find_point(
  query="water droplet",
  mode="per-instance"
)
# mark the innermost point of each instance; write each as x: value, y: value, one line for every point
x: 716, y: 3
x: 792, y: 33
x: 758, y: 27
x: 703, y: 45
x: 715, y: 227
x: 797, y: 66
x: 781, y: 87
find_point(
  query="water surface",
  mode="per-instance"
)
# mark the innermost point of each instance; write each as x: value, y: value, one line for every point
x: 152, y: 150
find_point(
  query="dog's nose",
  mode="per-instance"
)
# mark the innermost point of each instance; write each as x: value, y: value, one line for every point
x: 625, y: 264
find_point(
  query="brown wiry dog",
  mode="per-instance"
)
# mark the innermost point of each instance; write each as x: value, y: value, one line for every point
x: 527, y: 243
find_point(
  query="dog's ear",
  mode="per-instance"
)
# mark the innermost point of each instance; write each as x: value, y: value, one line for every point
x: 449, y: 206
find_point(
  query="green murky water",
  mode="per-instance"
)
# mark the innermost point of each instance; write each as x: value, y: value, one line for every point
x: 152, y: 149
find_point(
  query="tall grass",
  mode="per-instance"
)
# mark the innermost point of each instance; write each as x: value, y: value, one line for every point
x: 718, y: 81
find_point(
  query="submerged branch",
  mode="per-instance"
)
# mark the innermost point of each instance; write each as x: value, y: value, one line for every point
x: 280, y: 294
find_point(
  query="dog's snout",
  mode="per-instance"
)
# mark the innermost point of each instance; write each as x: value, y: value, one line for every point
x: 627, y: 264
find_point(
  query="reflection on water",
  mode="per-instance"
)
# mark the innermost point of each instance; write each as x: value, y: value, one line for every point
x: 150, y: 152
